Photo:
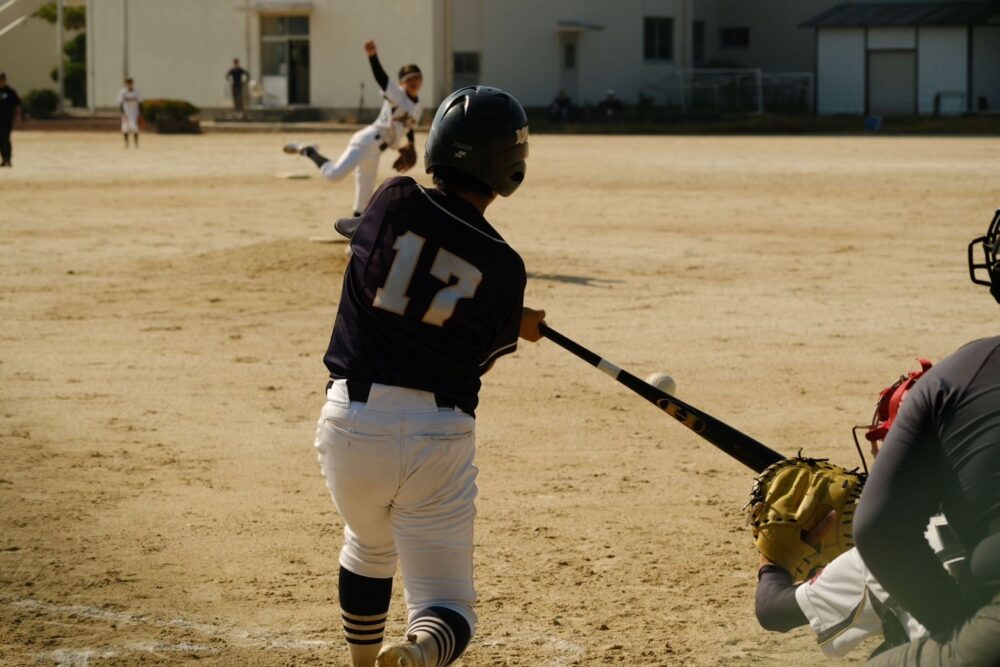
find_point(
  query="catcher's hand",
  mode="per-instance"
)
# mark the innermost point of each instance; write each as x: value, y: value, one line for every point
x: 407, y: 158
x: 801, y: 511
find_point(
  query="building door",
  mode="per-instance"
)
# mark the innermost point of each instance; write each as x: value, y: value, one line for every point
x: 892, y: 83
x: 284, y: 59
x: 298, y: 71
x: 569, y: 79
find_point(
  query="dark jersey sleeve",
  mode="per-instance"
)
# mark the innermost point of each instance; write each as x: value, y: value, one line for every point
x: 505, y: 341
x: 776, y: 607
x: 381, y: 78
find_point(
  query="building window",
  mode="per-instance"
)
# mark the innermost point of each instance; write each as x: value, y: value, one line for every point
x: 698, y: 42
x: 658, y: 38
x: 734, y: 38
x: 569, y: 55
x: 465, y: 68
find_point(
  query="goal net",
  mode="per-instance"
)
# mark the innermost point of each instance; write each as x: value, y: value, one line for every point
x: 732, y: 91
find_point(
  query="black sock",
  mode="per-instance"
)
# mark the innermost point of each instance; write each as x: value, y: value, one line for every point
x: 447, y: 628
x: 314, y: 155
x: 364, y: 603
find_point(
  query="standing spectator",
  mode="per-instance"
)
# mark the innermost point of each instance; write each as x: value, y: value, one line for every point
x: 610, y: 105
x: 560, y: 107
x: 237, y: 76
x: 9, y: 102
x: 130, y: 105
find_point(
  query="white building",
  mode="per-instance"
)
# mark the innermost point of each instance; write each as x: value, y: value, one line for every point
x: 308, y: 53
x: 904, y: 59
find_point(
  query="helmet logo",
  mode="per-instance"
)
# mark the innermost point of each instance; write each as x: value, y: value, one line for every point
x: 522, y: 135
x: 460, y: 154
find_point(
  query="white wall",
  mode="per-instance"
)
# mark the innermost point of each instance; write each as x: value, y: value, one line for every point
x: 986, y: 65
x: 892, y: 38
x: 942, y: 59
x: 28, y: 52
x: 841, y: 71
x: 519, y: 43
x: 182, y: 48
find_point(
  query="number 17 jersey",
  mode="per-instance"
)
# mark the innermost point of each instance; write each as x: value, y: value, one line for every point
x: 431, y: 298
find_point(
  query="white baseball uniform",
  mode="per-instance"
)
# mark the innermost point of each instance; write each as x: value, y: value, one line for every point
x: 842, y: 602
x: 399, y: 114
x: 130, y: 102
x: 406, y: 489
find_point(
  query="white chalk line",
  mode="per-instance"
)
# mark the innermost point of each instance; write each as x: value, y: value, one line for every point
x: 258, y: 638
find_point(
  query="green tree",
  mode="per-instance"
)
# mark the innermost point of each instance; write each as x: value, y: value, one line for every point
x: 74, y: 16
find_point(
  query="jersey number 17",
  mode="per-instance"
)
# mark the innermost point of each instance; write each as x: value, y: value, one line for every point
x: 392, y: 295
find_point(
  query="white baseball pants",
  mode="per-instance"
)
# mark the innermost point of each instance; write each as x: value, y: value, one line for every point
x: 362, y: 154
x: 401, y: 472
x: 130, y: 120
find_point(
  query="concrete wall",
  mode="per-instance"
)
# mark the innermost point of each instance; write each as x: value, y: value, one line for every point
x: 841, y: 71
x: 986, y: 66
x: 942, y: 59
x: 777, y: 43
x: 182, y: 48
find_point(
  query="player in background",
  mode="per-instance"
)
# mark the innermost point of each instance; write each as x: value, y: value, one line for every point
x: 844, y: 604
x: 10, y: 104
x: 401, y: 110
x: 237, y: 78
x: 432, y: 297
x: 130, y: 105
x: 943, y: 452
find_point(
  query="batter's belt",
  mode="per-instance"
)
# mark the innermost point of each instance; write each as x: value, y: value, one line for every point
x: 358, y: 392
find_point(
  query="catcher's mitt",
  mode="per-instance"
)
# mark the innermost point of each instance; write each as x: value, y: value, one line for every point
x: 791, y: 498
x: 407, y: 158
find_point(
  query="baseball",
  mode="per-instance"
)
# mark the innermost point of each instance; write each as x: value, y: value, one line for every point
x: 663, y: 382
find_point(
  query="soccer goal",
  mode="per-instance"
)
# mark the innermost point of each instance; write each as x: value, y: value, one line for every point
x: 732, y: 91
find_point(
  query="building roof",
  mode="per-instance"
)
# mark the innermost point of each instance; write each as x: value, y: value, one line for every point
x: 906, y: 14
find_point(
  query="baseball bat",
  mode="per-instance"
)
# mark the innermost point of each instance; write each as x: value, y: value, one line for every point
x: 739, y: 445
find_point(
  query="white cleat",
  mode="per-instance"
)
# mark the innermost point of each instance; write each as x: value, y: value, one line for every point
x: 404, y: 654
x: 298, y: 147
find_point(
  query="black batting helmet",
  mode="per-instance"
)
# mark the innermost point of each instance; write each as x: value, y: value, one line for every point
x: 990, y: 245
x: 482, y: 132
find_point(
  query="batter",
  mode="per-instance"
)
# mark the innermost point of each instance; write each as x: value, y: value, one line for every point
x: 400, y: 112
x: 432, y: 297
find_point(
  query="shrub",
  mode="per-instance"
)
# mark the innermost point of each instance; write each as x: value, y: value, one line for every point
x: 75, y: 82
x: 153, y: 110
x: 41, y: 103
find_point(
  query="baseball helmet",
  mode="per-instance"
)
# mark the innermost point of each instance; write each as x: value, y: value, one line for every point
x: 991, y: 261
x: 482, y: 132
x: 889, y: 401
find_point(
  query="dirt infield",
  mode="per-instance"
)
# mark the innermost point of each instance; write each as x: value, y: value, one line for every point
x: 164, y: 318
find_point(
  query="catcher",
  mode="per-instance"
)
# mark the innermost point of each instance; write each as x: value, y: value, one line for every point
x: 401, y: 110
x: 842, y: 602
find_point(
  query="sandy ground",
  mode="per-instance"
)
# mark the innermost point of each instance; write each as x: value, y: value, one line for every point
x: 164, y: 317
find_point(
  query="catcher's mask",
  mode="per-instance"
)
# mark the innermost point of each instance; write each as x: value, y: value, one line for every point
x: 991, y: 263
x: 889, y: 400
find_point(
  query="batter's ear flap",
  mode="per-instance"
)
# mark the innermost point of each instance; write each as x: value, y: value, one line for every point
x: 347, y: 226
